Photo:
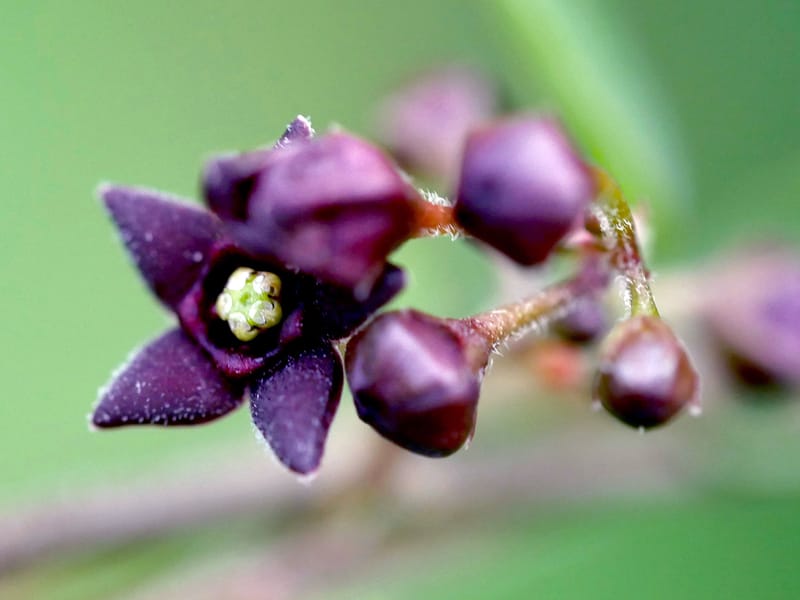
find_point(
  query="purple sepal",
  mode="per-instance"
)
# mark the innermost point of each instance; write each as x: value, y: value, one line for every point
x: 168, y: 382
x: 168, y: 240
x: 334, y: 207
x: 228, y: 181
x: 339, y: 313
x: 522, y: 186
x: 294, y: 403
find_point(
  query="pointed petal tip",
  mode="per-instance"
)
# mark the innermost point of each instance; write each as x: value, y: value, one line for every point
x: 168, y: 382
x: 299, y: 130
x: 90, y: 422
x: 112, y: 196
x: 293, y: 405
x: 307, y: 479
x: 102, y: 189
x: 304, y: 473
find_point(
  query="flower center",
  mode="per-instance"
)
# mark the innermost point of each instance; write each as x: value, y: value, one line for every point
x: 249, y: 302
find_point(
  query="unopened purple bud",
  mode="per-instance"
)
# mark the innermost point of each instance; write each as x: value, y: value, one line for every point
x: 584, y: 321
x: 645, y: 376
x: 522, y: 187
x: 426, y: 122
x: 416, y: 379
x: 228, y: 180
x: 334, y: 207
x: 754, y: 314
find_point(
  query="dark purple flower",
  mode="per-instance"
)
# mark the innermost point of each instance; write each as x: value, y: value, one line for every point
x: 425, y: 122
x: 645, y: 376
x: 333, y: 207
x: 754, y: 314
x: 522, y: 187
x: 247, y: 327
x: 416, y: 379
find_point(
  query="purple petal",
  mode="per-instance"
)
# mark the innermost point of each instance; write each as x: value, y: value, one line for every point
x: 294, y: 403
x: 168, y: 382
x: 338, y: 313
x: 168, y: 240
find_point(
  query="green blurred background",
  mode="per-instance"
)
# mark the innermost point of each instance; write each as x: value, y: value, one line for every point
x: 695, y: 106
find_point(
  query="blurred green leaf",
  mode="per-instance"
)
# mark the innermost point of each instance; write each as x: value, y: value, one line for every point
x: 577, y: 57
x: 708, y: 548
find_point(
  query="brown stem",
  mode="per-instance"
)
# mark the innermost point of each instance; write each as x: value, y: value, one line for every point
x: 140, y: 510
x: 537, y: 311
x: 435, y: 219
x: 206, y: 493
x: 430, y: 500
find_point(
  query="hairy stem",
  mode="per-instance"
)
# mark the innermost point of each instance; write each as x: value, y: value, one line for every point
x: 434, y: 217
x: 612, y: 220
x: 537, y: 311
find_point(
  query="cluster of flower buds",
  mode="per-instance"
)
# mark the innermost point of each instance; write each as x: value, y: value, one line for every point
x: 289, y: 260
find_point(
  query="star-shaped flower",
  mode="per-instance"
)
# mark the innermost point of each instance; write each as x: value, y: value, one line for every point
x: 251, y: 323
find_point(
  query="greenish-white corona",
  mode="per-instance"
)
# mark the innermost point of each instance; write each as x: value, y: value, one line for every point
x: 249, y: 302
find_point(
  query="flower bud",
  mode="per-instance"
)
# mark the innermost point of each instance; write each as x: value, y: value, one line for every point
x: 228, y: 179
x: 416, y: 379
x: 754, y: 314
x: 645, y: 376
x: 583, y: 322
x: 426, y: 122
x: 333, y: 207
x: 522, y: 187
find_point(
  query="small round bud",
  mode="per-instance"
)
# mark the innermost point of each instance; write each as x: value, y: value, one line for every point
x: 425, y: 122
x: 753, y: 312
x: 645, y: 376
x: 416, y: 379
x: 584, y: 321
x: 522, y: 187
